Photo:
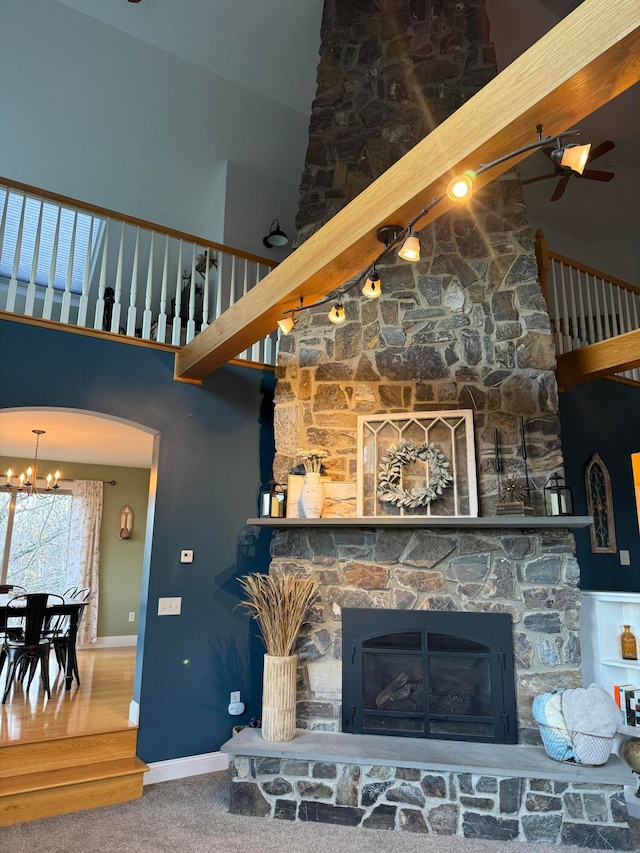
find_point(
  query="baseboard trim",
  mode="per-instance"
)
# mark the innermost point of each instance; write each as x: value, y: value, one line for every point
x: 190, y: 765
x: 111, y: 642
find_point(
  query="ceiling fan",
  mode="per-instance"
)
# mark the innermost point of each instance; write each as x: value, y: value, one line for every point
x: 565, y: 173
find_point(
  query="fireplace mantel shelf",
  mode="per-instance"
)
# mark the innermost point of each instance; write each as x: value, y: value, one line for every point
x: 503, y: 521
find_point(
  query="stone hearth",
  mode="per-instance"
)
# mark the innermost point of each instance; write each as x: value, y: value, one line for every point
x: 478, y: 791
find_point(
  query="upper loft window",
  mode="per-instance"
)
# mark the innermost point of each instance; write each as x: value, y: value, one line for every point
x: 28, y: 227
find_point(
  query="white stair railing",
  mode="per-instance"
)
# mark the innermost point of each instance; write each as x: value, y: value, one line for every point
x: 63, y: 261
x: 585, y: 305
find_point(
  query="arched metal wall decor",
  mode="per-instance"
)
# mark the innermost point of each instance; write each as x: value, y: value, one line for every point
x: 600, y: 506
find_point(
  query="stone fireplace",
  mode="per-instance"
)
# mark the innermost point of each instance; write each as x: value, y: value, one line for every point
x: 465, y: 327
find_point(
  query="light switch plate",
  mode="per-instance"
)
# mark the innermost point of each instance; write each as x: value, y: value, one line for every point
x: 186, y: 556
x: 625, y: 559
x: 169, y: 606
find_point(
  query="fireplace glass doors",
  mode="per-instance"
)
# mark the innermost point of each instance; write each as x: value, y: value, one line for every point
x: 426, y: 674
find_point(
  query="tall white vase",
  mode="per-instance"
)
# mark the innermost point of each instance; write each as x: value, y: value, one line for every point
x: 279, y: 698
x: 312, y: 496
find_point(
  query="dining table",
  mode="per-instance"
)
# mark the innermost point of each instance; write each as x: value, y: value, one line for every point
x: 69, y: 607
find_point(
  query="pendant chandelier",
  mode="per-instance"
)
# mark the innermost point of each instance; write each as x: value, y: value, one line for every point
x: 26, y: 482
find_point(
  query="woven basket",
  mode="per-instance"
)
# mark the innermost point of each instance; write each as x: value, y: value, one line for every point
x: 588, y: 750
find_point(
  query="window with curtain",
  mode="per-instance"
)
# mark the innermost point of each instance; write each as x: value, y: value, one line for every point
x: 34, y: 538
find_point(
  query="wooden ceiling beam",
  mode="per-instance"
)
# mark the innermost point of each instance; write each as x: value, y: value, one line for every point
x: 605, y: 358
x: 589, y: 58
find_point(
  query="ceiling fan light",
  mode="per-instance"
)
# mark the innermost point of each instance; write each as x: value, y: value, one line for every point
x: 459, y: 188
x: 410, y: 249
x: 572, y: 157
x: 372, y: 289
x: 337, y: 314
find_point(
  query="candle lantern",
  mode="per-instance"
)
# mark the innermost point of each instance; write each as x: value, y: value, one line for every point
x: 558, y: 497
x: 273, y: 498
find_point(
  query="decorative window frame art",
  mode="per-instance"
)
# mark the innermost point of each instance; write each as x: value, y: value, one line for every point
x: 600, y: 506
x: 417, y: 464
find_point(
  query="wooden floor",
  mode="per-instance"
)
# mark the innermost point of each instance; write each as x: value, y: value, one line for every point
x: 100, y: 704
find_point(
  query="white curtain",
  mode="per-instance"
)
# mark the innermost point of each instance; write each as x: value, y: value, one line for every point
x: 83, y: 556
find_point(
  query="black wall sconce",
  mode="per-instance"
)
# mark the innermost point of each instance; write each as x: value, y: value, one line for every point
x: 276, y: 236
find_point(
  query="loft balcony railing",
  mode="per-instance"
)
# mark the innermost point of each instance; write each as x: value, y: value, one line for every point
x: 585, y: 305
x: 64, y: 261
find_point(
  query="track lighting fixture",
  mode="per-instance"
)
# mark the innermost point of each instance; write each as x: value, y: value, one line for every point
x: 337, y: 314
x: 287, y: 324
x: 460, y: 187
x: 410, y: 249
x: 372, y: 287
x: 572, y: 156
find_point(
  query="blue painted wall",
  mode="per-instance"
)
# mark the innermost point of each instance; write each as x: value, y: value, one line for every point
x: 604, y: 417
x: 215, y: 448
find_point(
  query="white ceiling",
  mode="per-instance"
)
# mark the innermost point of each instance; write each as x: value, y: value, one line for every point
x: 270, y: 47
x: 74, y: 437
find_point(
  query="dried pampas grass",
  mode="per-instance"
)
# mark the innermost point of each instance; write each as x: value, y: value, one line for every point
x: 279, y: 602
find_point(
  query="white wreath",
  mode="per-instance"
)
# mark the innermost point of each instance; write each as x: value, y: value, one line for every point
x: 391, y: 466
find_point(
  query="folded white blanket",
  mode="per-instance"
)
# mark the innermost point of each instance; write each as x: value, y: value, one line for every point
x: 592, y: 711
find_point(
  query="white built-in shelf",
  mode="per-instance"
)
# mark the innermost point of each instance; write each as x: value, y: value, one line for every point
x: 528, y: 522
x: 632, y: 731
x: 623, y: 664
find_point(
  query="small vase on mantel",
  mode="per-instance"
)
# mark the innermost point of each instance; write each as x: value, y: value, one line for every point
x: 312, y: 495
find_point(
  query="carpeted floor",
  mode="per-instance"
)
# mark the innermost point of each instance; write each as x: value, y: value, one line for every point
x: 190, y: 816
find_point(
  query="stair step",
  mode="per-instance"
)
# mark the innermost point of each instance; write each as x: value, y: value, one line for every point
x: 31, y: 796
x: 48, y: 755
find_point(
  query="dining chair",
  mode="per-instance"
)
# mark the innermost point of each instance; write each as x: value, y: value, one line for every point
x: 14, y: 630
x: 61, y: 639
x: 33, y: 647
x: 11, y: 589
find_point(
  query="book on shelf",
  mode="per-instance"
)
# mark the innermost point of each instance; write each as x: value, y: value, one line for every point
x: 624, y: 694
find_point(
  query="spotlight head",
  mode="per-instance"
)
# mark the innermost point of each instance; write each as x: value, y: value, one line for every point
x: 287, y: 324
x: 337, y: 314
x: 572, y: 156
x: 372, y: 287
x: 460, y: 187
x: 410, y: 249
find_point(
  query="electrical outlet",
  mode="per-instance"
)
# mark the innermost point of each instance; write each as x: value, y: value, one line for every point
x: 186, y: 556
x: 235, y: 696
x: 132, y: 616
x: 169, y: 606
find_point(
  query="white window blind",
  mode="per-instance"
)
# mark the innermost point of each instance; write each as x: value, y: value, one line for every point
x: 88, y: 228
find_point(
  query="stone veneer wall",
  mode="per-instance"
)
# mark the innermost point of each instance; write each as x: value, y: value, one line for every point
x: 466, y: 327
x: 426, y: 801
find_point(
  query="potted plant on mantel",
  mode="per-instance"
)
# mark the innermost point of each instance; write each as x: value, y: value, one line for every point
x: 279, y: 603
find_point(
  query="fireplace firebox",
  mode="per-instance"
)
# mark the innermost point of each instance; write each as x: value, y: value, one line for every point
x: 445, y: 675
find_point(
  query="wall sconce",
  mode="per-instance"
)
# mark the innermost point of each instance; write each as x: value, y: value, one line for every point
x: 276, y: 236
x: 125, y: 523
x: 337, y: 314
x: 558, y: 497
x: 273, y: 499
x: 372, y: 287
x: 410, y: 250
